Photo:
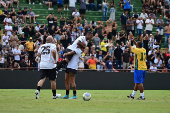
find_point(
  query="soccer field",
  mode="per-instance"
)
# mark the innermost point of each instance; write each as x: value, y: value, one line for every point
x: 103, y: 101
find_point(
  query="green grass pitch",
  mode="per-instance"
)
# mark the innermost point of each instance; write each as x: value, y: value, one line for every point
x: 102, y: 101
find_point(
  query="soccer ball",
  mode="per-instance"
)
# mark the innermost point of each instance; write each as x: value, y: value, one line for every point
x: 86, y: 96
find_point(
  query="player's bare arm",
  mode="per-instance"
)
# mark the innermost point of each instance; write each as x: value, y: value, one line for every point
x: 69, y: 53
x: 54, y: 54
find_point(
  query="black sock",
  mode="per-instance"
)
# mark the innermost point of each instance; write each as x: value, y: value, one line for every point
x: 38, y: 88
x: 62, y: 63
x: 54, y: 92
x: 67, y: 92
x: 74, y: 93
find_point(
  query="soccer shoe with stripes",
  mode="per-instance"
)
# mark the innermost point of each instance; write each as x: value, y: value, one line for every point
x: 130, y: 96
x: 57, y: 96
x: 141, y: 98
x: 65, y: 97
x: 37, y: 94
x: 74, y: 97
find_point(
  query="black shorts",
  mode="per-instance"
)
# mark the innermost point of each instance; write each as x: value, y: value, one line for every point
x: 82, y: 11
x: 101, y: 37
x: 68, y: 70
x: 66, y: 1
x: 69, y: 57
x: 51, y: 73
x: 148, y: 32
x: 109, y: 36
x: 159, y: 11
x: 114, y: 32
x: 60, y: 5
x: 104, y: 52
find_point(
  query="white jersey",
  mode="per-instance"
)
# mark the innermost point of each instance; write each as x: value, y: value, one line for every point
x: 47, y: 60
x: 73, y: 64
x: 74, y: 45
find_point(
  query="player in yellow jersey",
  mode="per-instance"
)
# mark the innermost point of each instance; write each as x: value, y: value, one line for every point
x: 140, y: 68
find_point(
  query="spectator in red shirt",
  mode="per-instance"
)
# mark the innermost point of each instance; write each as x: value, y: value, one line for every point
x: 168, y: 16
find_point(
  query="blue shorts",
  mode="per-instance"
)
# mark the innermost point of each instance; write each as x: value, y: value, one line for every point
x: 139, y: 32
x: 139, y: 76
x: 57, y: 37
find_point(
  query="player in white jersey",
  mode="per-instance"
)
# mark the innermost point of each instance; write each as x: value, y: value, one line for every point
x: 71, y: 71
x: 72, y: 47
x: 47, y: 53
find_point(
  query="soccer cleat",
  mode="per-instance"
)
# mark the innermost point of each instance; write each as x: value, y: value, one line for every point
x: 141, y: 98
x: 37, y: 94
x: 30, y: 3
x: 130, y: 96
x: 74, y: 97
x: 40, y: 3
x: 57, y: 96
x: 64, y: 9
x: 67, y: 9
x: 33, y: 3
x: 65, y: 97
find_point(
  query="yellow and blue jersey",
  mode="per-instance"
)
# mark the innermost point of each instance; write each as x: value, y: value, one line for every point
x: 140, y: 58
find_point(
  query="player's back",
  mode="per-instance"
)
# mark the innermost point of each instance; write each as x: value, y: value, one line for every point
x: 73, y: 63
x: 74, y: 45
x: 47, y: 60
x: 140, y: 58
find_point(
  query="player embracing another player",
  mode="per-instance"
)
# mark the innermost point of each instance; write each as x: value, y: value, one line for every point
x: 71, y: 70
x: 73, y: 47
x: 140, y: 68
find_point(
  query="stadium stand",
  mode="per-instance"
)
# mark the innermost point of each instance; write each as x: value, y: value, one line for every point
x: 93, y: 18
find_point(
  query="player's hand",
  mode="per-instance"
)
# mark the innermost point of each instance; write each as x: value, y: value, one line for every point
x: 55, y: 62
x: 65, y: 54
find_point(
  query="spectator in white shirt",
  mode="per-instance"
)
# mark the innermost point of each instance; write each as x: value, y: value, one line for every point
x: 72, y: 5
x: 149, y: 25
x: 8, y: 29
x: 158, y: 61
x: 144, y: 15
x: 1, y: 61
x: 7, y: 19
x: 73, y: 35
x: 76, y: 16
x: 5, y: 38
x: 139, y: 23
x: 37, y: 28
x: 21, y: 47
x: 17, y: 54
x: 151, y: 41
x: 153, y: 68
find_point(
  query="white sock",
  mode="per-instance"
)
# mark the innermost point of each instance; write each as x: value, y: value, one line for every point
x: 134, y: 93
x: 142, y: 94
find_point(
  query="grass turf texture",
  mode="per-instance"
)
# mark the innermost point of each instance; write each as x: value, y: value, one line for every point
x: 103, y: 101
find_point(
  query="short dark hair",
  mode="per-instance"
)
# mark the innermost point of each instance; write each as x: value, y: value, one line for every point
x: 139, y: 43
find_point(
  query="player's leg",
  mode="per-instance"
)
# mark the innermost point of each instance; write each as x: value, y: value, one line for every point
x: 43, y: 74
x: 140, y: 85
x: 66, y: 61
x: 52, y: 78
x: 132, y: 96
x: 67, y: 84
x: 73, y: 85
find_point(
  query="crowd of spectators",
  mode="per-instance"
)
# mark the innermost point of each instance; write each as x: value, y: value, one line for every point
x: 107, y: 50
